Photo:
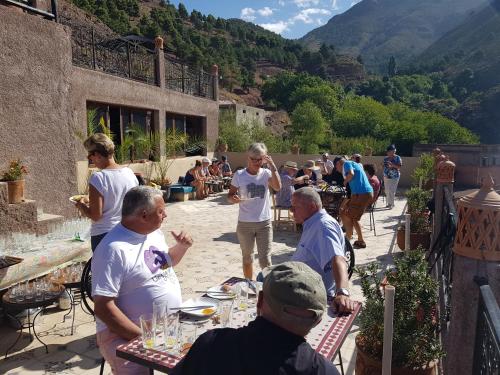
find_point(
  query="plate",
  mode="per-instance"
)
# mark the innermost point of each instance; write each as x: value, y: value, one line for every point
x: 76, y: 198
x: 213, y: 292
x: 201, y: 301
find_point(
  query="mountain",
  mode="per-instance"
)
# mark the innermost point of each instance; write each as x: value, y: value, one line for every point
x: 379, y: 29
x: 471, y: 50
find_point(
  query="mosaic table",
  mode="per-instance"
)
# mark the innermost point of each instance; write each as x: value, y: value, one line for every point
x: 326, y: 338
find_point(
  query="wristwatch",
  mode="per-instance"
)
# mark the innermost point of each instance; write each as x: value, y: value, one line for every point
x: 343, y: 292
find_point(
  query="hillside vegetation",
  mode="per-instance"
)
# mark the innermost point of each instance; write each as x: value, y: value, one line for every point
x: 379, y: 29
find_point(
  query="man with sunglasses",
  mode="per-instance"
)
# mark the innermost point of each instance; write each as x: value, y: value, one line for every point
x: 250, y: 189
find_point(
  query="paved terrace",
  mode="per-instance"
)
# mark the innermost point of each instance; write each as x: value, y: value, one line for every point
x: 214, y: 257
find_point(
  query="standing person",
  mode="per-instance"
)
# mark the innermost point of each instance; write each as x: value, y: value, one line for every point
x: 107, y: 187
x: 392, y: 167
x: 250, y: 189
x: 131, y: 268
x: 291, y: 303
x: 361, y: 197
x: 321, y: 247
x: 287, y: 176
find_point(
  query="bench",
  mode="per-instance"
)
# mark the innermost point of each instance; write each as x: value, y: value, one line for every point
x: 181, y: 192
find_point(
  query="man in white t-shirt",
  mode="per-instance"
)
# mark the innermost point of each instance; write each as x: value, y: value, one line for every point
x: 250, y: 189
x: 131, y: 268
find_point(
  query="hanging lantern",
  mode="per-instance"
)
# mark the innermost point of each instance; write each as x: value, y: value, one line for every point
x: 478, y: 233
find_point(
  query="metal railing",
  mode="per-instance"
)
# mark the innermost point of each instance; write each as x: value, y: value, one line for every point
x: 25, y: 5
x: 115, y: 56
x: 487, y: 343
x: 185, y: 79
x: 440, y: 255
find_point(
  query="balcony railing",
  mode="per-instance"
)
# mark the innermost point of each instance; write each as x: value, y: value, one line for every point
x: 115, y: 56
x: 487, y: 345
x: 182, y: 78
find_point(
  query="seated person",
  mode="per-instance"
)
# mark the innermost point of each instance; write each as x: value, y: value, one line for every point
x: 205, y: 163
x: 214, y: 168
x: 291, y: 303
x: 321, y: 247
x: 287, y: 175
x: 326, y: 165
x: 132, y: 267
x: 370, y: 171
x: 225, y: 167
x: 306, y: 175
x: 195, y: 179
x: 356, y: 158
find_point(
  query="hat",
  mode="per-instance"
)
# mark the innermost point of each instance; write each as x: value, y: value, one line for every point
x: 325, y: 154
x: 214, y: 160
x: 391, y: 148
x: 205, y: 160
x: 294, y: 284
x: 309, y: 164
x: 355, y: 156
x: 291, y: 164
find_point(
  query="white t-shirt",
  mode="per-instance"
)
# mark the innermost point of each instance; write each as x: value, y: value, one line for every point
x: 132, y: 268
x: 112, y: 184
x: 254, y: 192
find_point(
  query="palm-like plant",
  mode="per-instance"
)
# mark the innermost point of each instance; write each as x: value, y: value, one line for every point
x: 174, y: 143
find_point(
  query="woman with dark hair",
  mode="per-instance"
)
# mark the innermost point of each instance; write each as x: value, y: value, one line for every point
x: 107, y: 187
x: 195, y: 179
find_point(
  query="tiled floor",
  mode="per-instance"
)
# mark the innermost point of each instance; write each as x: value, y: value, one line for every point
x: 214, y: 257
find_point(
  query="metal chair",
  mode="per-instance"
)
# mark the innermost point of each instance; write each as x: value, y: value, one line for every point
x: 86, y: 293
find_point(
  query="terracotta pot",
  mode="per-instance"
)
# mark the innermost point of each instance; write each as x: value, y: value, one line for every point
x: 16, y: 191
x: 416, y: 239
x: 366, y: 365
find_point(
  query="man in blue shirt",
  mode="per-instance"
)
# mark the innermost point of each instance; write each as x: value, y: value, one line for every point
x: 361, y: 197
x: 321, y: 246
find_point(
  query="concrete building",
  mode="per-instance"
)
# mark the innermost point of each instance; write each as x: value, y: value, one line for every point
x: 243, y: 113
x: 50, y: 79
x: 473, y: 162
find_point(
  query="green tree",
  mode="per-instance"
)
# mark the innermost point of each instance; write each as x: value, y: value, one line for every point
x: 391, y: 67
x: 309, y: 128
x: 183, y: 13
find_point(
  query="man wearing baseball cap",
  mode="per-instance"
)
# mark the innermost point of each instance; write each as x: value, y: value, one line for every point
x: 292, y: 302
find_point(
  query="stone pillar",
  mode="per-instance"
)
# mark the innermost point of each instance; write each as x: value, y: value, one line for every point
x: 215, y: 76
x: 477, y: 253
x: 159, y: 62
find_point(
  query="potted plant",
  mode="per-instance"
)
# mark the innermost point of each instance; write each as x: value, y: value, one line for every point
x: 420, y: 229
x: 15, y: 182
x: 423, y: 175
x: 415, y: 348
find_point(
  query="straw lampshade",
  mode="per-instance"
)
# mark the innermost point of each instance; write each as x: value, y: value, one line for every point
x: 478, y: 233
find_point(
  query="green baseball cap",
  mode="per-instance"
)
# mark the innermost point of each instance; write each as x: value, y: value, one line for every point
x: 295, y: 285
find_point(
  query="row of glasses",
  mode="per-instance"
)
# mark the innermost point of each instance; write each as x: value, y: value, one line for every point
x: 38, y: 290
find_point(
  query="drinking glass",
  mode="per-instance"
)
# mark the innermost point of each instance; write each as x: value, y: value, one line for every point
x: 171, y: 330
x: 187, y: 337
x: 225, y: 310
x: 29, y: 290
x: 160, y: 311
x: 147, y: 330
x: 39, y: 290
x: 242, y: 295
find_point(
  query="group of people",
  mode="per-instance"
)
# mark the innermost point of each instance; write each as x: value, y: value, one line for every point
x: 132, y: 266
x: 205, y: 171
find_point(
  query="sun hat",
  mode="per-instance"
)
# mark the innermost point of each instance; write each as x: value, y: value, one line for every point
x: 309, y: 164
x: 294, y: 285
x: 391, y: 147
x: 214, y: 160
x: 291, y: 164
x: 325, y: 154
x: 205, y: 160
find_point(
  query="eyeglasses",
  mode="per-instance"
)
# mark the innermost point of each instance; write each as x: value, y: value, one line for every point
x: 256, y: 160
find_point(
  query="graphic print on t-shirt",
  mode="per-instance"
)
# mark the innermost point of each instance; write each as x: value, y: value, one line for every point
x: 256, y: 191
x: 155, y: 259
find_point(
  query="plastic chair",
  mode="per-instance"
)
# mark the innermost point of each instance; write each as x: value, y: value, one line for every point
x: 86, y: 293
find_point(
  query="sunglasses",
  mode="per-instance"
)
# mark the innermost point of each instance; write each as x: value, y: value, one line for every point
x: 256, y: 160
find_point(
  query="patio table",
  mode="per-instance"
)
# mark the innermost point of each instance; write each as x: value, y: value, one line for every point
x: 326, y: 338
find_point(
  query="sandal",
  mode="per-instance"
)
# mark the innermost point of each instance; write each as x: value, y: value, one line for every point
x: 359, y: 244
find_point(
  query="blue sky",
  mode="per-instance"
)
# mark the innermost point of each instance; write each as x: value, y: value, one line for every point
x: 289, y: 18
